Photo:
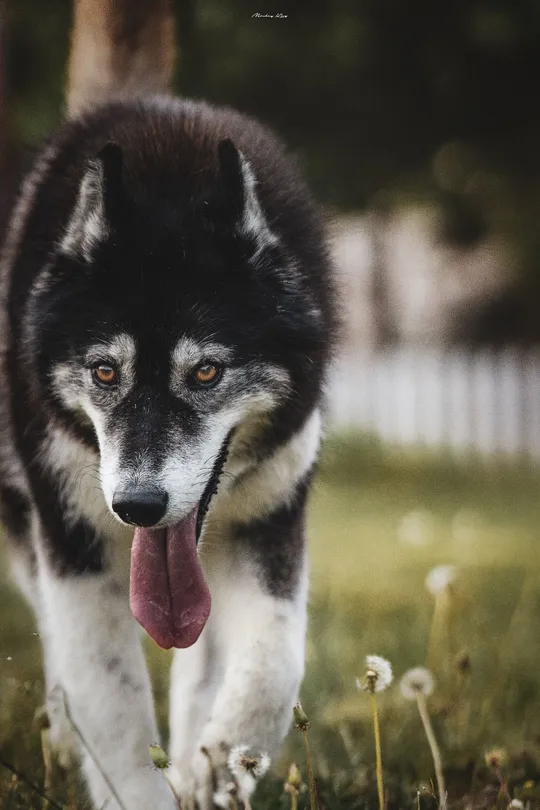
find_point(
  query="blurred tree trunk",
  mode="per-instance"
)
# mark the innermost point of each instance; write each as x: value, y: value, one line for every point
x: 120, y: 47
x: 4, y: 183
x: 2, y: 84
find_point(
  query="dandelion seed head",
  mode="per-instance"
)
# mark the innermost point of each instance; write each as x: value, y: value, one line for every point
x: 416, y: 528
x: 241, y: 761
x: 378, y: 675
x: 247, y: 768
x: 417, y: 681
x: 495, y: 758
x: 236, y: 755
x: 440, y: 578
x: 516, y: 804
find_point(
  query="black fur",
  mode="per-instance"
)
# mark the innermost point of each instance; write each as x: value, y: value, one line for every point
x: 14, y: 510
x: 277, y: 543
x: 212, y: 485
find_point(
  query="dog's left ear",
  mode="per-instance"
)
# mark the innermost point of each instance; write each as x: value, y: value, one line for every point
x: 239, y: 185
x: 98, y: 204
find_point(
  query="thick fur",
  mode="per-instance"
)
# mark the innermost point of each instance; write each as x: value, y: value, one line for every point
x: 154, y: 235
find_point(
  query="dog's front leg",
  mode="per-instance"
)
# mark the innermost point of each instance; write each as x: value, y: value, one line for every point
x: 258, y: 624
x: 97, y: 651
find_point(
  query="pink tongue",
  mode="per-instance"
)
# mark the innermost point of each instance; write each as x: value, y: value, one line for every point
x: 168, y: 594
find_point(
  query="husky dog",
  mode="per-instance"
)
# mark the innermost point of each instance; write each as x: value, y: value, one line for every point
x: 166, y: 311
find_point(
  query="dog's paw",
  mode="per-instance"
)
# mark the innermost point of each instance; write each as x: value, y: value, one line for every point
x: 217, y: 775
x: 207, y: 783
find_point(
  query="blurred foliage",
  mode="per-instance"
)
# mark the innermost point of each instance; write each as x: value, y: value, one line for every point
x: 371, y: 91
x: 424, y: 99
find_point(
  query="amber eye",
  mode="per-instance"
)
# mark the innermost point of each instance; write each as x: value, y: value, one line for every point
x: 105, y: 374
x: 207, y: 374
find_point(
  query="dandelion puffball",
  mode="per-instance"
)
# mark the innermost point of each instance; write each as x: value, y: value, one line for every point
x: 247, y: 768
x: 496, y: 758
x: 417, y: 681
x: 440, y: 577
x: 378, y: 675
x: 417, y: 528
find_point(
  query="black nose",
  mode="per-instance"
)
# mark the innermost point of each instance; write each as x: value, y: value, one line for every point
x: 140, y: 507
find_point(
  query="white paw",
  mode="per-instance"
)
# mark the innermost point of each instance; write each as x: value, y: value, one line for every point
x: 206, y: 783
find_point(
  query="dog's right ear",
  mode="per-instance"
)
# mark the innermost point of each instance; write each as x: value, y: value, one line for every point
x: 98, y: 204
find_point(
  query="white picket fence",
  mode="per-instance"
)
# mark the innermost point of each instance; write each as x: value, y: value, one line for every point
x: 484, y: 401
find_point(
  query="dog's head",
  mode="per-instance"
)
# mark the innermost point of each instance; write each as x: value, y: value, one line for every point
x: 175, y: 323
x: 171, y: 319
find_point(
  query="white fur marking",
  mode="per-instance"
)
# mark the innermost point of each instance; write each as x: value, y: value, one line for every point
x: 87, y: 226
x: 270, y: 483
x: 77, y: 467
x: 254, y: 222
x: 188, y: 352
x: 122, y: 349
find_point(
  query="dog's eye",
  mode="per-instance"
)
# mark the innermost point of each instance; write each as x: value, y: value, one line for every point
x: 206, y: 375
x: 105, y: 375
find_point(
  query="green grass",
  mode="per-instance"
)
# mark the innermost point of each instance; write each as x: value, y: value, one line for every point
x: 377, y: 524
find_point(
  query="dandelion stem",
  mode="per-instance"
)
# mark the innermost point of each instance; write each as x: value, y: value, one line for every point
x: 47, y: 764
x: 13, y: 786
x: 437, y: 632
x: 435, y: 751
x: 311, y: 778
x: 294, y: 800
x: 378, y: 754
x: 502, y: 784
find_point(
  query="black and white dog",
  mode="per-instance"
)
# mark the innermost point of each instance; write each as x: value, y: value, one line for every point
x: 166, y: 313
